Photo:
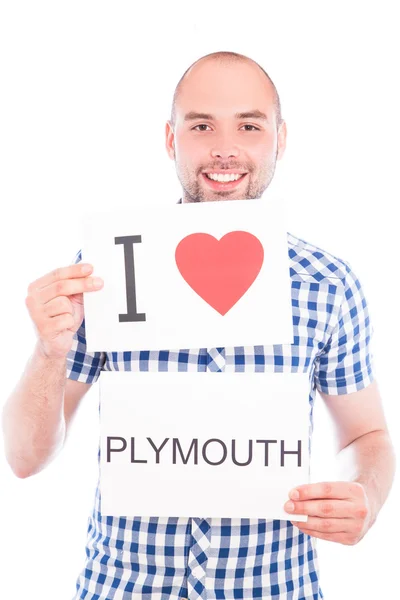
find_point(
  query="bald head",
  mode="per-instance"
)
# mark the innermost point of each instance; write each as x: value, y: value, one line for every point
x: 228, y: 59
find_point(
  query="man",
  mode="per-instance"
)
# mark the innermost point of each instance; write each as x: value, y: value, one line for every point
x: 225, y: 135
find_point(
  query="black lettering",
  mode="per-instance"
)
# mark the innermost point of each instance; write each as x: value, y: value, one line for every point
x: 234, y: 454
x: 224, y: 450
x: 157, y: 450
x: 109, y: 449
x: 176, y: 444
x: 266, y: 442
x: 132, y: 314
x: 133, y: 459
x: 298, y: 452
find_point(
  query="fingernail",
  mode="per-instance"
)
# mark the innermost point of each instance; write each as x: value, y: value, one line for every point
x: 289, y: 506
x: 97, y: 282
x: 294, y: 495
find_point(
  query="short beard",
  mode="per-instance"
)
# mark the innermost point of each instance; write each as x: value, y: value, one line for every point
x: 193, y: 192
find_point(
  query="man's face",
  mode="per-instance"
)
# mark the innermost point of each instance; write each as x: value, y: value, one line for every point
x: 220, y: 129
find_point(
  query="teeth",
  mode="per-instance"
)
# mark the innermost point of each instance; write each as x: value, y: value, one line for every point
x: 223, y: 178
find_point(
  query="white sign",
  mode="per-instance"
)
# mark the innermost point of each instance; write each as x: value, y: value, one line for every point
x: 212, y: 274
x: 202, y: 444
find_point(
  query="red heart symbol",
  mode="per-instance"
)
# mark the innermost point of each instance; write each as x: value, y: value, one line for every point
x: 221, y: 271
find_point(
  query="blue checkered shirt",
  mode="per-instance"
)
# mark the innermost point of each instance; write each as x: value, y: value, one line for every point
x: 219, y: 558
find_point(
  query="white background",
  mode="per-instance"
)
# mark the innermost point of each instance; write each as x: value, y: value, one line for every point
x: 86, y: 90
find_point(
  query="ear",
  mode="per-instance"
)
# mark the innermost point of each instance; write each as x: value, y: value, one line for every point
x: 170, y: 140
x: 282, y: 132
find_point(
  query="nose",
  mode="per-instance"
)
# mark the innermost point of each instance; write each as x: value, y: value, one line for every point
x: 224, y: 148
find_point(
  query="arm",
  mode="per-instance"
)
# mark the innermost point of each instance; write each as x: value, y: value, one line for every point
x: 344, y: 511
x: 36, y: 415
x: 365, y: 451
x: 33, y: 418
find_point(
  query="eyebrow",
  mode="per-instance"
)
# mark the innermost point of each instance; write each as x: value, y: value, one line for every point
x: 251, y: 114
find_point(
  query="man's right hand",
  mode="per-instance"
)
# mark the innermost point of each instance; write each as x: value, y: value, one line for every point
x: 55, y: 305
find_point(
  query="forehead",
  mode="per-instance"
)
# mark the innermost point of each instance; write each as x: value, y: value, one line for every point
x: 224, y: 89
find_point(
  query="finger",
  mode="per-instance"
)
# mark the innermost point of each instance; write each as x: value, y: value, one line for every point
x: 68, y: 287
x: 57, y: 325
x: 58, y: 306
x: 327, y: 525
x: 70, y: 272
x: 342, y: 490
x: 322, y: 508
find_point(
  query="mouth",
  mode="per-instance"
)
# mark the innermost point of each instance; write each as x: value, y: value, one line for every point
x: 223, y: 181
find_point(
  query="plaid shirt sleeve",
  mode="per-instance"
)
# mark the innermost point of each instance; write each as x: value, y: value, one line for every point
x: 345, y: 364
x: 82, y: 365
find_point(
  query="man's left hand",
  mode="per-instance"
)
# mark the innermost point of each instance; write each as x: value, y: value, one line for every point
x: 337, y: 511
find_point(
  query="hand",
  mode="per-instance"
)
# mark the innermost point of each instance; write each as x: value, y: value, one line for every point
x: 338, y: 511
x: 55, y: 305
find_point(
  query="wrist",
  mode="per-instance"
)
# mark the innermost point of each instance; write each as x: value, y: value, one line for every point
x: 41, y: 354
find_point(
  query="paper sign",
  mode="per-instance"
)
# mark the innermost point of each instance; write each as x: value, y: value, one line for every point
x: 212, y: 274
x: 202, y: 444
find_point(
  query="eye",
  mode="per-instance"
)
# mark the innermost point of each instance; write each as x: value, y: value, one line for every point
x: 201, y: 125
x: 253, y: 126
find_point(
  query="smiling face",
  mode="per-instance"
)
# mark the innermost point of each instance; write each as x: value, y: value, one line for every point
x: 225, y: 140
